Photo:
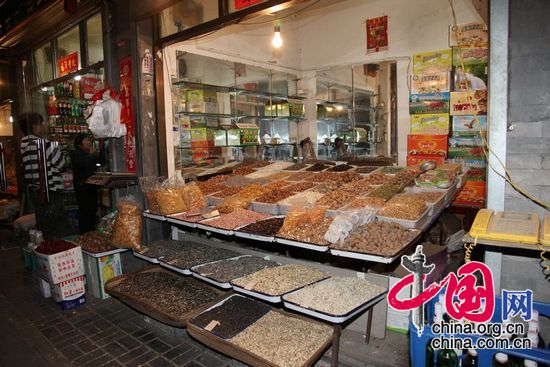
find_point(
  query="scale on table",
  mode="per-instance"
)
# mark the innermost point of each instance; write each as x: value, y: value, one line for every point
x: 507, y: 226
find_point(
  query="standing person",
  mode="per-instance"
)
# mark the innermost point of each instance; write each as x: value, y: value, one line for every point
x: 44, y: 182
x: 84, y: 160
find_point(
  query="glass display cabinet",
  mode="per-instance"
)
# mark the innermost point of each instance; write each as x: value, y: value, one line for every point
x: 226, y: 111
x: 351, y: 112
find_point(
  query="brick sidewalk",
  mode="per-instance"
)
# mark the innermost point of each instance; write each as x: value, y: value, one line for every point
x: 99, y: 333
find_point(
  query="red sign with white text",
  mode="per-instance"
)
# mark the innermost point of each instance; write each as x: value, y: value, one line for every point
x: 127, y: 113
x: 67, y: 64
x: 241, y: 4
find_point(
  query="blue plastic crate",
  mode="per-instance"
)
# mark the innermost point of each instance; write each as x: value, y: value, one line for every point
x: 418, y: 345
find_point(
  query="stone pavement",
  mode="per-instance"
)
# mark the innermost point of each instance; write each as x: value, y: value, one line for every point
x: 36, y: 332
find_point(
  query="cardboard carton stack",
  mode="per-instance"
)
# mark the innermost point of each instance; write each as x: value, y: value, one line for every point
x: 64, y: 272
x: 469, y: 108
x: 429, y: 107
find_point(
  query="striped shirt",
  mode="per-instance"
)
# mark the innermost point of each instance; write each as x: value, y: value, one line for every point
x: 54, y: 163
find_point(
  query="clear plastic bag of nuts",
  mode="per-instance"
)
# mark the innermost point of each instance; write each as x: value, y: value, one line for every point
x: 127, y: 227
x: 193, y: 197
x: 170, y: 195
x: 149, y: 186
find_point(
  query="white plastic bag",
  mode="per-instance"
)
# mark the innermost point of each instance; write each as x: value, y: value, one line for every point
x: 104, y: 121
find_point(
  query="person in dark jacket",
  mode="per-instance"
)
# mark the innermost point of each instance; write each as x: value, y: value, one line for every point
x: 84, y: 161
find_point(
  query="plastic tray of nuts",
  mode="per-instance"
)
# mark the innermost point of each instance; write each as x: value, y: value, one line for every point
x: 150, y: 215
x: 335, y: 319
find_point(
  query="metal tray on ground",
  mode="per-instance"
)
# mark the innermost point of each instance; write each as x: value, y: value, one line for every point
x: 335, y: 319
x: 149, y: 310
x: 306, y: 245
x: 150, y: 215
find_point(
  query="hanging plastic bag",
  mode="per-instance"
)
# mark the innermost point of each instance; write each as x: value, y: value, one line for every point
x: 104, y: 121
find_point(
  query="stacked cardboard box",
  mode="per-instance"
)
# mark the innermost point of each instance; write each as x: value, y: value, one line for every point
x: 64, y: 272
x: 469, y: 109
x: 429, y: 107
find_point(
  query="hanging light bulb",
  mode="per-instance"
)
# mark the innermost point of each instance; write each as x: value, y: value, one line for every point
x: 277, y: 41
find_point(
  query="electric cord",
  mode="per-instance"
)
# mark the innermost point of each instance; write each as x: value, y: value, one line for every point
x: 469, y: 248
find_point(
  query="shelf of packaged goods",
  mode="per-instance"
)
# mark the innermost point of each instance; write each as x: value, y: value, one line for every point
x: 240, y: 146
x: 236, y: 91
x: 236, y: 117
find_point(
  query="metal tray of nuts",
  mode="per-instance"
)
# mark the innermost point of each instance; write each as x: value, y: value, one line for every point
x: 214, y: 200
x: 152, y: 311
x: 306, y: 245
x: 374, y: 257
x: 255, y: 237
x: 234, y: 351
x: 409, y: 224
x: 204, y: 225
x: 265, y: 208
x: 335, y: 319
x: 150, y: 215
x: 180, y: 222
x: 152, y: 260
x: 175, y: 268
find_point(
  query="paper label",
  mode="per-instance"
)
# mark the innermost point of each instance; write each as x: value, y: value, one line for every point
x: 211, y: 325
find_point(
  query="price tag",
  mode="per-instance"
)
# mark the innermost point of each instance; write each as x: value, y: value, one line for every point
x: 212, y: 325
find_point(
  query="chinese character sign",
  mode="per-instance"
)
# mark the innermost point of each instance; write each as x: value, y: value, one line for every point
x: 241, y: 4
x: 67, y: 64
x: 127, y: 113
x: 377, y: 34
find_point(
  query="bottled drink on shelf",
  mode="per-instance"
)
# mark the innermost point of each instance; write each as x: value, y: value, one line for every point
x: 71, y: 92
x: 501, y: 360
x: 471, y: 359
x: 447, y: 358
x: 430, y: 355
x: 76, y: 89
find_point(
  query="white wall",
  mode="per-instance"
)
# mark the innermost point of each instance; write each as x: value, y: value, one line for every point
x: 336, y: 35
